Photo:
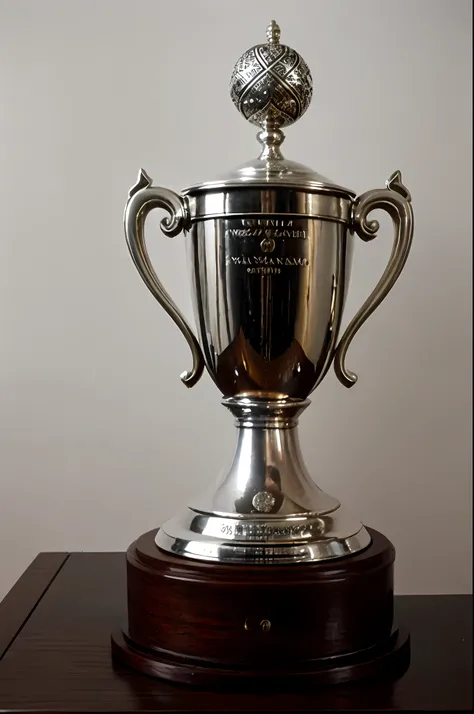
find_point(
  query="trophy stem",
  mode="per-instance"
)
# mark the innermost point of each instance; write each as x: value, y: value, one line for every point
x: 266, y: 507
x: 271, y: 138
x: 268, y: 474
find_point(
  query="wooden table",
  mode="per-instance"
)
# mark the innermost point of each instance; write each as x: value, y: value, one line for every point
x: 55, y: 627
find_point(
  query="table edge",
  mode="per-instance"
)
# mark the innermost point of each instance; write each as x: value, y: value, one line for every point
x: 20, y: 602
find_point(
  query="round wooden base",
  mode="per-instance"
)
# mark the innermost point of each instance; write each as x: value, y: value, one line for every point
x: 204, y: 624
x: 391, y: 659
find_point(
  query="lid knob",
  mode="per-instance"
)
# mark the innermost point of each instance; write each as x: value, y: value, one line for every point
x: 273, y: 33
x: 271, y: 84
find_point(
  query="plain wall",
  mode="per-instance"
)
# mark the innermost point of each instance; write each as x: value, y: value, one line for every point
x: 100, y: 441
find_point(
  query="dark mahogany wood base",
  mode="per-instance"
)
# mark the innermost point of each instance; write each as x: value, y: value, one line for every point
x: 392, y: 658
x: 206, y: 624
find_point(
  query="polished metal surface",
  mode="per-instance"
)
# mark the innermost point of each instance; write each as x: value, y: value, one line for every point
x: 271, y: 84
x: 269, y: 249
x: 267, y: 172
x: 143, y: 198
x: 268, y: 295
x: 254, y: 202
x: 396, y: 200
x: 201, y: 537
x: 266, y: 508
x: 267, y: 463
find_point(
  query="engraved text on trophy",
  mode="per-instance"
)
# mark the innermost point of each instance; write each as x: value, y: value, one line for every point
x: 266, y: 246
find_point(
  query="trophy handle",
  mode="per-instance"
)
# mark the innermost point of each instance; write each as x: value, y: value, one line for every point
x: 396, y: 200
x: 143, y: 198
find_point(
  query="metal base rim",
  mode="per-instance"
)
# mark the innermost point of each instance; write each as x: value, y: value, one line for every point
x: 201, y: 548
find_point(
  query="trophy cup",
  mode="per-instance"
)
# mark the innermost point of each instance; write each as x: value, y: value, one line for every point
x: 265, y: 576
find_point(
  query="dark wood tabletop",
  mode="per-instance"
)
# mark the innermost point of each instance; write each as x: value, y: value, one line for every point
x: 55, y: 627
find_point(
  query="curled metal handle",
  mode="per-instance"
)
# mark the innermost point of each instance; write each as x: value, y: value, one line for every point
x: 143, y: 198
x: 396, y: 200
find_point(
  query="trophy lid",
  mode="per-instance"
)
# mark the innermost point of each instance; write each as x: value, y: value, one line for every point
x: 271, y: 86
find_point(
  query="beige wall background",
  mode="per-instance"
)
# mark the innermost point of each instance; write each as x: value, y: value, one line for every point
x: 99, y: 440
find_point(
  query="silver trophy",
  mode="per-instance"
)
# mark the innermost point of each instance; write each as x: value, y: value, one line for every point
x: 269, y: 248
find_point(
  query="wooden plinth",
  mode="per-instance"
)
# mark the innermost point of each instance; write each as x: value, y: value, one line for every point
x: 206, y: 624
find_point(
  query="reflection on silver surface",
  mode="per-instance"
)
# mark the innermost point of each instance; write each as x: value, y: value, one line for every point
x: 324, y: 546
x: 268, y: 295
x: 396, y: 200
x: 267, y: 460
x: 269, y: 249
x: 266, y: 508
x: 143, y: 198
x: 271, y: 84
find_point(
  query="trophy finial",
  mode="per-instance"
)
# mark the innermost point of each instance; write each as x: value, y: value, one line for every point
x: 271, y: 84
x: 273, y: 33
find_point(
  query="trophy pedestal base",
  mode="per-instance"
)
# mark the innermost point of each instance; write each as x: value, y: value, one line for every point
x: 209, y: 625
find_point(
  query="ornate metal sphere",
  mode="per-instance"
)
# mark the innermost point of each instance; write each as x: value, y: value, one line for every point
x: 271, y: 84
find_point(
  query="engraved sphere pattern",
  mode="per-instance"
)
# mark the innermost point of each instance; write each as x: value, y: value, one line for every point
x: 271, y: 83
